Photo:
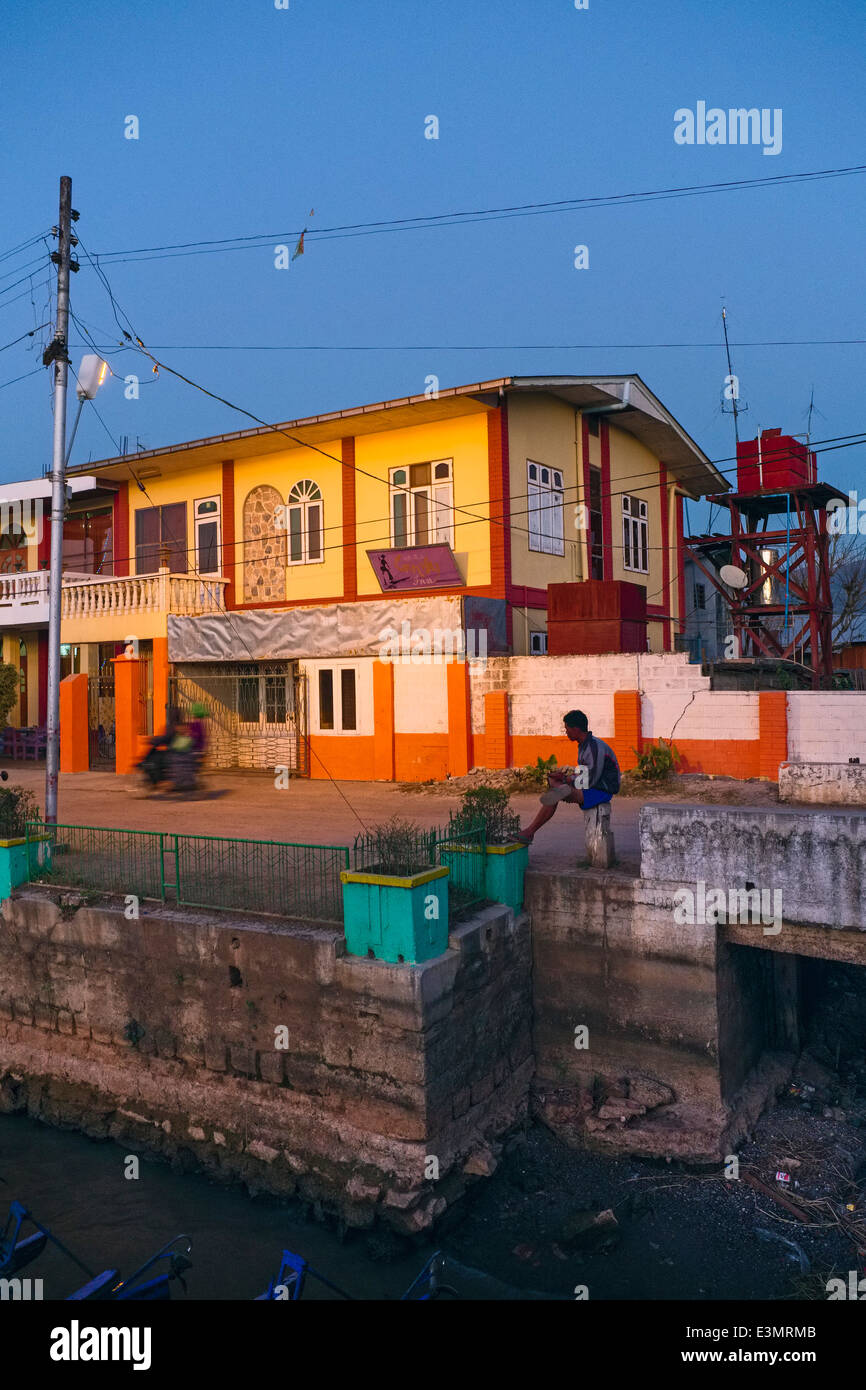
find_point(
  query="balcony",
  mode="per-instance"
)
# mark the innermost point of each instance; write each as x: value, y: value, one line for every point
x: 107, y: 608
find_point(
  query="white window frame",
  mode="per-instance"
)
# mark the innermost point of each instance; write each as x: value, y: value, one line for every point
x: 363, y: 697
x: 439, y: 492
x: 635, y: 535
x: 538, y: 644
x: 304, y: 499
x: 208, y: 519
x: 546, y: 497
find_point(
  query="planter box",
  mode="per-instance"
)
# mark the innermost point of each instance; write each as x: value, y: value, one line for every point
x: 504, y: 868
x: 14, y: 866
x: 504, y: 871
x: 389, y: 918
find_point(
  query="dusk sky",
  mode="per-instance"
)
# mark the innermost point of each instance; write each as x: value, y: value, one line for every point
x: 251, y: 117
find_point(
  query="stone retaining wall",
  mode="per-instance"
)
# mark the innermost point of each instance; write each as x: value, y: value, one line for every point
x: 160, y: 1032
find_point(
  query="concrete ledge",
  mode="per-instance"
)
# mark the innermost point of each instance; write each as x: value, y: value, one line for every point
x: 817, y: 860
x: 840, y: 784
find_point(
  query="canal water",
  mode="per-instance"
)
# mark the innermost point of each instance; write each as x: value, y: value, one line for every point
x: 76, y: 1187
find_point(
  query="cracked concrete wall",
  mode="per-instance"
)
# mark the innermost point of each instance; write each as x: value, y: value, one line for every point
x: 817, y: 860
x: 160, y: 1032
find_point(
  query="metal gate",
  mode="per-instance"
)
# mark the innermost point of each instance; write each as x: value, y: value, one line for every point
x: 257, y: 712
x: 100, y: 718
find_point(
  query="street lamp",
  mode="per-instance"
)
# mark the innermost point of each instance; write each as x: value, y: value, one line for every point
x: 90, y: 376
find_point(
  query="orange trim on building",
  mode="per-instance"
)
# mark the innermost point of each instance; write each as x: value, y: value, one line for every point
x: 627, y: 739
x: 74, y: 725
x: 161, y: 669
x: 681, y: 561
x: 500, y: 508
x: 666, y: 557
x: 459, y: 718
x: 345, y: 759
x: 383, y: 721
x: 120, y: 528
x: 129, y: 743
x: 350, y: 533
x: 420, y: 757
x: 773, y: 725
x: 228, y: 536
x: 497, y: 735
x: 606, y: 516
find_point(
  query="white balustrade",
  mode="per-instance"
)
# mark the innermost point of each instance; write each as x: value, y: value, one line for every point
x: 97, y: 596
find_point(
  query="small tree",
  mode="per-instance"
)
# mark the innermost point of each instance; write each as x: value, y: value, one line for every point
x: 488, y: 806
x: 10, y: 689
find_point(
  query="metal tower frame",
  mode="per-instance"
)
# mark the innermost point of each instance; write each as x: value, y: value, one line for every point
x: 802, y: 544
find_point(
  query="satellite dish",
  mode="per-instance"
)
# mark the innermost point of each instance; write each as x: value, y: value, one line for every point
x: 734, y: 577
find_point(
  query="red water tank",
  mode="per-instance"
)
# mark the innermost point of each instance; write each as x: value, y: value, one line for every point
x: 595, y: 616
x: 774, y: 463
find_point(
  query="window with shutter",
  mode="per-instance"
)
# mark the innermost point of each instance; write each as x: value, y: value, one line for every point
x: 545, y: 495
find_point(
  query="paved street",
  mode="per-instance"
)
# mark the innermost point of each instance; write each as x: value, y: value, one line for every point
x: 246, y: 804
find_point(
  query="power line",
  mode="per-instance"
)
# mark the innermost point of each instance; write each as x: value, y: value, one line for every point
x: 461, y: 218
x: 491, y: 347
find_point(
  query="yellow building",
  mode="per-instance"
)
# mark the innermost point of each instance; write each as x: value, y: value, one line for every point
x: 487, y: 492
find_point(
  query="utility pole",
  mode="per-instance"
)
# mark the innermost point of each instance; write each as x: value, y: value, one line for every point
x: 57, y: 353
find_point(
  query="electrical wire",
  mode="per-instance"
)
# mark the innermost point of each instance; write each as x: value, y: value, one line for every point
x: 461, y: 218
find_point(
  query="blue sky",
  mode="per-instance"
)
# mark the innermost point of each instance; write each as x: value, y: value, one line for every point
x: 251, y: 116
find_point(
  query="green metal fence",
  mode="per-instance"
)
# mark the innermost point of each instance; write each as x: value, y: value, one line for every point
x: 86, y: 856
x: 404, y: 849
x: 285, y: 880
x: 260, y: 876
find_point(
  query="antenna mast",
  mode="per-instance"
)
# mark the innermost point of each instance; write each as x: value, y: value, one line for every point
x: 731, y: 377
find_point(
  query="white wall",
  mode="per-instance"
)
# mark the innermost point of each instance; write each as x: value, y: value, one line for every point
x: 542, y: 688
x: 826, y: 726
x: 712, y: 714
x: 420, y: 699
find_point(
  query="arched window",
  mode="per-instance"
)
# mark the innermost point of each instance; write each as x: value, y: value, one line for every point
x: 264, y: 546
x: 305, y: 518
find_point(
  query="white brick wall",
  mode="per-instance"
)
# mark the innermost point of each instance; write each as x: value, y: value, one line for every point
x: 712, y: 714
x: 826, y: 726
x: 542, y: 688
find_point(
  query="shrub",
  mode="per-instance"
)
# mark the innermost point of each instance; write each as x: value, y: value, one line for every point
x: 399, y: 848
x: 534, y: 777
x: 489, y: 807
x: 657, y: 763
x: 17, y: 807
x: 10, y: 689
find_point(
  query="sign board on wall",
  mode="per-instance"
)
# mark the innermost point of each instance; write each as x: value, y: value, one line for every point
x: 416, y: 567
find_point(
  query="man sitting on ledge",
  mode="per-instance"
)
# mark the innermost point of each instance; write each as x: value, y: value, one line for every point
x: 594, y: 780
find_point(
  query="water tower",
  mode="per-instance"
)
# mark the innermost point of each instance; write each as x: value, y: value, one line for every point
x: 776, y: 557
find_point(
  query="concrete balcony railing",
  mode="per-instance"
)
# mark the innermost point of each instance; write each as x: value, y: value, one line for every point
x: 101, y: 596
x: 145, y: 597
x: 24, y: 598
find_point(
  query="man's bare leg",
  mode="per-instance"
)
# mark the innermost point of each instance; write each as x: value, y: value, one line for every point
x: 545, y: 813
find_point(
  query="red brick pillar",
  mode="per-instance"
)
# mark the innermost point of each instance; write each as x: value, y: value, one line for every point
x: 74, y: 725
x: 160, y: 683
x: 497, y: 735
x: 627, y: 737
x: 459, y: 719
x: 772, y: 733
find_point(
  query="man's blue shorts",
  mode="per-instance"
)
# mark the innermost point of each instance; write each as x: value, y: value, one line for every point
x: 593, y: 797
